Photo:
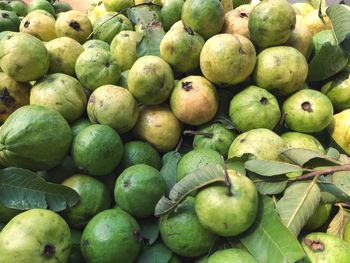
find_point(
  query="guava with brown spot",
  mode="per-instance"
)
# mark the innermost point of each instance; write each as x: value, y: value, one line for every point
x: 37, y: 234
x: 159, y: 126
x: 227, y: 59
x: 321, y: 247
x: 151, y: 80
x: 64, y: 52
x: 236, y: 21
x: 39, y: 24
x: 73, y: 24
x: 308, y: 111
x: 271, y: 23
x: 13, y: 95
x: 23, y: 57
x: 194, y: 100
x: 170, y: 12
x: 264, y: 144
x: 281, y: 70
x: 114, y: 106
x: 62, y: 93
x: 228, y: 210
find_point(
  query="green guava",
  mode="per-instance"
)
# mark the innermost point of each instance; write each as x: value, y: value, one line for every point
x: 9, y: 21
x: 41, y: 5
x: 339, y: 130
x: 319, y: 217
x: 114, y: 106
x: 228, y: 210
x: 19, y: 7
x: 96, y: 43
x: 79, y: 125
x: 39, y: 24
x: 61, y: 7
x: 170, y: 12
x: 117, y: 5
x: 231, y: 255
x: 236, y: 20
x: 123, y: 81
x: 227, y: 59
x: 301, y: 140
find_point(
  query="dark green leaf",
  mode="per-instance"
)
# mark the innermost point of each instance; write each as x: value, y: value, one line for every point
x: 335, y: 191
x: 333, y: 153
x: 298, y: 204
x: 269, y: 186
x: 168, y: 170
x: 268, y: 240
x: 23, y: 189
x: 157, y: 253
x: 337, y: 225
x: 271, y: 168
x: 150, y: 42
x: 345, y: 44
x: 149, y: 229
x: 144, y: 15
x: 224, y: 120
x: 342, y: 180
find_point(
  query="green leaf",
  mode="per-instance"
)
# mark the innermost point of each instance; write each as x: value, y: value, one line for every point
x: 271, y: 168
x: 22, y: 189
x: 337, y: 225
x: 149, y: 229
x: 298, y: 204
x: 204, y: 176
x: 334, y: 190
x: 333, y: 153
x: 268, y: 240
x: 224, y: 120
x: 269, y: 186
x: 157, y: 253
x: 342, y: 180
x: 150, y: 42
x: 235, y: 165
x: 168, y: 170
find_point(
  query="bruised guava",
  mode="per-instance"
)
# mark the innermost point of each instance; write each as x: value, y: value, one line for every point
x: 181, y: 49
x: 39, y: 24
x: 236, y: 21
x: 194, y: 100
x: 227, y: 59
x: 319, y: 217
x: 170, y: 12
x: 64, y: 52
x: 114, y: 106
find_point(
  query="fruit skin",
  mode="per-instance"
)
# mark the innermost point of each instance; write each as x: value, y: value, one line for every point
x: 220, y: 141
x: 170, y: 12
x: 182, y: 232
x: 325, y: 248
x: 319, y: 217
x: 37, y: 234
x: 236, y: 20
x: 97, y: 149
x: 114, y: 106
x: 194, y: 100
x: 61, y: 7
x: 40, y: 5
x: 301, y: 140
x: 96, y: 43
x: 314, y: 23
x: 13, y: 95
x: 263, y: 143
x: 34, y: 137
x: 23, y: 57
x: 181, y: 48
x: 227, y: 59
x: 339, y: 129
x: 225, y: 214
x: 206, y: 18
x: 254, y: 108
x: 110, y: 235
x: 9, y: 21
x: 138, y: 190
x: 117, y: 5
x: 271, y: 23
x: 151, y: 80
x: 79, y: 125
x: 231, y: 255
x: 94, y: 198
x: 281, y: 70
x: 62, y: 93
x: 158, y: 126
x: 20, y: 8
x: 308, y: 111
x: 302, y: 8
x: 346, y: 233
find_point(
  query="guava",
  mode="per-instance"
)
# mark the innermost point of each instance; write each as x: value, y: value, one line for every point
x: 151, y: 80
x: 106, y: 27
x: 41, y: 5
x: 319, y: 217
x: 60, y: 92
x: 205, y: 18
x: 94, y: 198
x: 23, y: 57
x: 123, y: 48
x: 138, y: 152
x: 64, y: 52
x: 34, y: 137
x: 19, y: 7
x: 214, y: 136
x: 96, y: 67
x: 228, y: 210
x: 37, y: 234
x: 236, y: 21
x: 61, y: 7
x: 117, y: 5
x: 183, y: 233
x: 96, y: 43
x: 314, y: 22
x: 9, y: 21
x: 95, y: 10
x: 39, y: 24
x: 322, y: 247
x: 339, y: 129
x: 111, y: 234
x: 181, y: 48
x: 281, y: 70
x: 138, y: 190
x: 13, y: 95
x: 61, y: 172
x: 73, y: 24
x: 227, y: 59
x: 263, y: 143
x: 254, y: 108
x: 6, y: 214
x: 159, y: 126
x: 271, y: 23
x: 302, y: 8
x: 113, y: 106
x: 5, y: 6
x: 194, y: 100
x: 292, y: 140
x: 79, y: 125
x: 123, y: 81
x: 170, y: 12
x: 308, y: 111
x: 346, y: 233
x: 231, y: 255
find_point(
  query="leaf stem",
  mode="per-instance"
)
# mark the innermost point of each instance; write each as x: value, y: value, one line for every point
x: 205, y: 134
x: 340, y: 168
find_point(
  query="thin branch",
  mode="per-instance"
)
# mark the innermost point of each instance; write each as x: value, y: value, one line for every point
x: 340, y: 168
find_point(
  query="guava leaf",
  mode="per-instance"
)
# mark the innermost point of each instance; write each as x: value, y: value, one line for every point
x: 334, y: 190
x: 337, y: 225
x: 271, y: 168
x: 149, y: 229
x: 268, y: 240
x: 224, y: 120
x: 342, y: 180
x: 22, y: 189
x: 269, y: 186
x: 203, y: 176
x: 157, y: 253
x: 333, y: 153
x: 298, y: 204
x: 168, y: 170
